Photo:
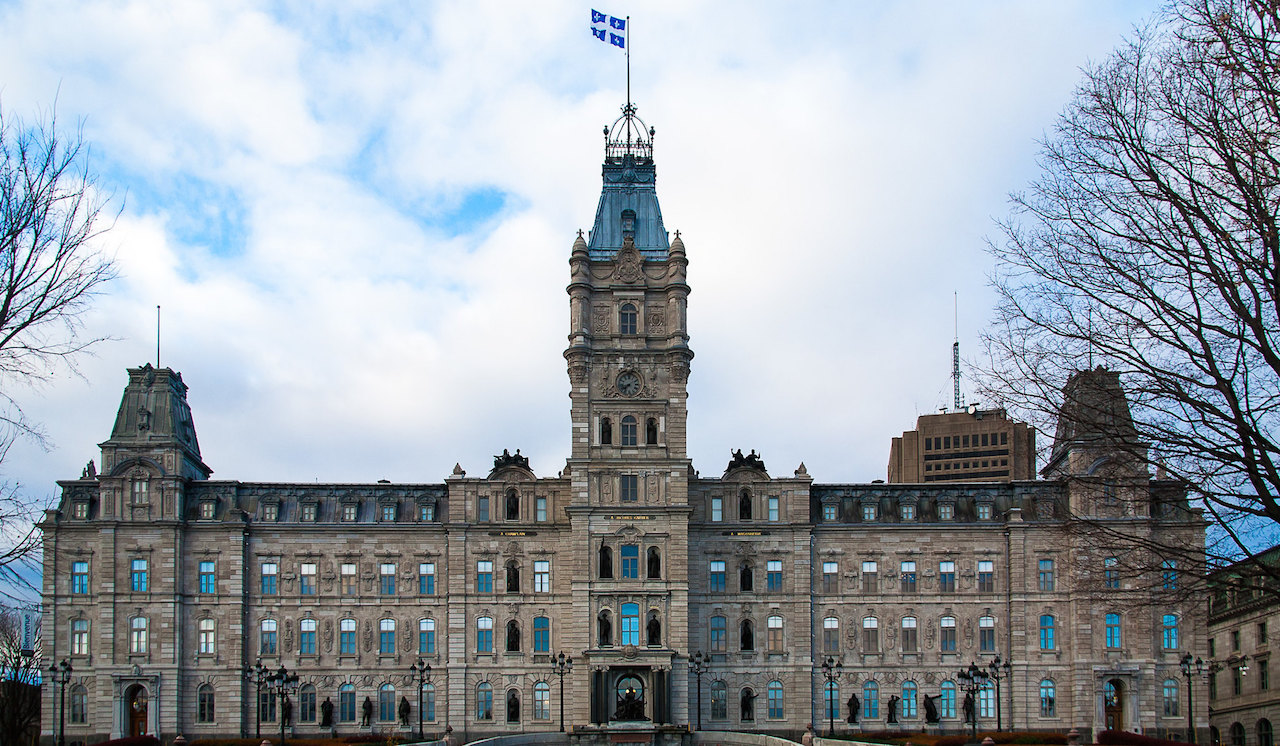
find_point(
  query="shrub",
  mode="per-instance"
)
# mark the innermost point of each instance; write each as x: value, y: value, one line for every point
x: 1124, y: 738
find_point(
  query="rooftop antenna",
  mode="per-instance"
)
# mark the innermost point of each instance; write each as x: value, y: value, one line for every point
x: 157, y: 336
x: 955, y: 354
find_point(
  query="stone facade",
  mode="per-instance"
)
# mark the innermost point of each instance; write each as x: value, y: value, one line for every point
x: 1244, y: 703
x: 163, y: 586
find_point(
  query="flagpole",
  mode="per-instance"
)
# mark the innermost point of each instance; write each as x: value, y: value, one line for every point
x: 628, y: 37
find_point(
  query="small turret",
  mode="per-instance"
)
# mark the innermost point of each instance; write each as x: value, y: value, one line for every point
x: 154, y: 423
x: 1094, y: 425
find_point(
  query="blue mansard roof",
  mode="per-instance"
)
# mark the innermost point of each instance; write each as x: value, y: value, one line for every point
x: 628, y: 199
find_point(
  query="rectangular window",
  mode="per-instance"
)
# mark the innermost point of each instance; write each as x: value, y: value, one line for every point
x: 138, y: 635
x: 986, y: 576
x: 80, y: 637
x: 542, y: 634
x: 1169, y: 575
x: 987, y: 634
x: 1170, y: 632
x: 208, y: 584
x: 773, y: 578
x: 484, y: 576
x: 910, y: 640
x: 870, y: 577
x: 984, y: 511
x: 309, y: 512
x: 208, y: 509
x: 540, y: 508
x: 267, y: 637
x: 868, y: 512
x: 427, y: 579
x: 630, y: 624
x: 1113, y: 631
x: 947, y: 642
x: 629, y: 488
x: 482, y: 512
x: 427, y: 512
x: 542, y: 576
x: 307, y: 579
x: 1110, y: 573
x: 270, y: 512
x: 774, y: 639
x: 79, y: 577
x: 908, y: 577
x: 831, y: 635
x: 946, y: 512
x: 1047, y: 638
x: 1264, y: 674
x: 717, y: 575
x: 347, y: 637
x: 830, y: 577
x: 387, y: 578
x: 774, y: 512
x: 269, y: 573
x: 907, y: 512
x: 1046, y: 575
x: 947, y: 577
x: 348, y: 579
x: 829, y: 513
x: 387, y: 637
x: 717, y: 509
x: 1235, y: 639
x: 138, y: 576
x: 630, y: 554
x: 388, y: 512
x: 987, y: 701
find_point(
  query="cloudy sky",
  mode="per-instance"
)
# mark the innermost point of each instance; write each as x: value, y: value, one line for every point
x: 357, y: 216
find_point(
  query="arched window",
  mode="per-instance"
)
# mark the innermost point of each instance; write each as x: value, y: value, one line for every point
x: 947, y: 699
x: 1169, y: 698
x: 987, y: 700
x: 347, y: 703
x: 306, y: 637
x: 386, y: 703
x: 1048, y: 699
x: 513, y: 505
x: 138, y: 636
x: 629, y: 431
x: 744, y: 506
x: 347, y: 637
x: 1266, y: 736
x: 831, y: 635
x: 542, y: 701
x: 1169, y: 636
x: 387, y: 637
x: 746, y: 577
x: 909, y: 705
x: 654, y: 562
x: 719, y: 700
x: 513, y: 576
x: 775, y: 700
x: 1047, y: 637
x: 266, y: 637
x: 651, y: 432
x: 747, y: 699
x: 307, y: 704
x: 1237, y: 734
x: 606, y: 431
x: 604, y: 628
x: 426, y: 636
x: 627, y: 319
x: 747, y: 635
x: 80, y: 704
x: 870, y: 699
x: 870, y: 634
x: 831, y: 700
x: 484, y: 635
x: 631, y: 624
x: 774, y: 626
x: 606, y: 562
x: 484, y: 701
x: 513, y: 637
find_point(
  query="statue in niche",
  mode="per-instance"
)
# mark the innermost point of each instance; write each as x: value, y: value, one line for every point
x: 854, y: 707
x: 748, y: 636
x: 744, y: 505
x: 513, y: 637
x: 893, y: 709
x: 366, y: 712
x: 513, y: 504
x: 513, y: 577
x: 606, y: 562
x: 404, y: 711
x: 655, y: 564
x: 745, y: 579
x: 630, y: 706
x: 286, y: 712
x: 654, y: 630
x: 968, y: 708
x: 326, y: 713
x: 513, y: 707
x: 748, y: 704
x: 604, y: 630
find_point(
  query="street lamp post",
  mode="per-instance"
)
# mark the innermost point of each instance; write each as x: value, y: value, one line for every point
x: 1001, y: 670
x: 831, y: 670
x: 423, y: 672
x: 60, y: 673
x: 282, y: 683
x: 257, y: 674
x: 972, y: 680
x: 1189, y: 667
x: 698, y: 665
x: 561, y: 665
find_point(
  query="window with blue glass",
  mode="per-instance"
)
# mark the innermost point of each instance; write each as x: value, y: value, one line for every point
x: 427, y: 578
x: 270, y: 571
x: 426, y: 636
x: 947, y: 700
x: 870, y: 700
x: 1113, y: 631
x: 1047, y: 641
x: 484, y: 576
x: 631, y: 624
x: 542, y: 634
x: 208, y: 584
x: 484, y: 635
x: 138, y: 576
x: 79, y: 577
x: 717, y: 575
x: 307, y: 637
x: 909, y: 703
x: 630, y: 554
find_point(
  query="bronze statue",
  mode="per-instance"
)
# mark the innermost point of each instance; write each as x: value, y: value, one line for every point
x: 366, y: 712
x: 404, y: 711
x: 748, y: 704
x: 326, y: 713
x: 969, y: 714
x: 854, y: 707
x: 893, y: 709
x: 513, y: 707
x: 930, y: 709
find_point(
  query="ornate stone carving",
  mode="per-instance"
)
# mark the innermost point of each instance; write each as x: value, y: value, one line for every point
x: 368, y: 636
x: 600, y: 319
x: 326, y: 635
x: 657, y: 321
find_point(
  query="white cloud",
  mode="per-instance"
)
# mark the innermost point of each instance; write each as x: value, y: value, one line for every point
x: 833, y: 168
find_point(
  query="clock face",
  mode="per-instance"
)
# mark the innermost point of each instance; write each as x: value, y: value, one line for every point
x: 629, y: 384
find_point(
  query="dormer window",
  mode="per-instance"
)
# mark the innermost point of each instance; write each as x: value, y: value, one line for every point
x: 141, y: 490
x: 350, y: 508
x: 308, y: 511
x: 629, y: 223
x: 426, y: 511
x: 627, y: 319
x: 208, y: 509
x: 387, y: 511
x: 80, y: 509
x: 271, y: 512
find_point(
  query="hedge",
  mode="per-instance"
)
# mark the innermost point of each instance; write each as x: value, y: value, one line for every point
x: 1125, y: 738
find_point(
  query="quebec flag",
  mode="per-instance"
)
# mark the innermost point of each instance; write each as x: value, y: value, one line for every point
x: 609, y: 29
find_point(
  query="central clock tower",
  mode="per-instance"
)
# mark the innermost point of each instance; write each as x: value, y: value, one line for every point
x: 628, y: 362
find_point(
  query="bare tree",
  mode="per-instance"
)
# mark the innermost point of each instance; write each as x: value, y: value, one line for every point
x: 1149, y: 244
x: 19, y: 683
x: 51, y: 217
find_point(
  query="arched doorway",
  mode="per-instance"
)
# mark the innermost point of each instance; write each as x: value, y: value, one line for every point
x: 1113, y: 704
x: 136, y: 703
x: 630, y: 699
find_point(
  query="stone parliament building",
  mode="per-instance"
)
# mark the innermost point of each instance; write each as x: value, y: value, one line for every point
x: 162, y: 586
